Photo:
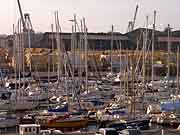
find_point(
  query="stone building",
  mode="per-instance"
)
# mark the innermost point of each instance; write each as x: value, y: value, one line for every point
x: 96, y: 42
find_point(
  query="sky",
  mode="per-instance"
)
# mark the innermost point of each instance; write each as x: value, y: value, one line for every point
x: 100, y: 14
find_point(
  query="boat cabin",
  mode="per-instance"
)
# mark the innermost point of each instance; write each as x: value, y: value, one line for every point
x: 106, y: 131
x: 29, y: 129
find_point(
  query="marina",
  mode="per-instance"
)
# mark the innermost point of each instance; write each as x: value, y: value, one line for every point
x: 87, y: 83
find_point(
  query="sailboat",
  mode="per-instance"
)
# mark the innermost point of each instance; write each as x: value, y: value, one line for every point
x: 17, y: 100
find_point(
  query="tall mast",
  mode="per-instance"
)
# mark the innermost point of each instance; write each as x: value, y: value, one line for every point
x: 29, y: 45
x: 144, y: 52
x: 145, y: 37
x: 133, y: 88
x: 127, y: 78
x: 49, y: 51
x: 112, y: 39
x: 75, y: 43
x: 72, y: 50
x: 178, y: 71
x: 81, y: 51
x: 58, y: 43
x: 15, y: 58
x: 19, y: 52
x: 120, y: 63
x: 153, y: 38
x: 169, y: 49
x: 52, y: 30
x: 86, y: 52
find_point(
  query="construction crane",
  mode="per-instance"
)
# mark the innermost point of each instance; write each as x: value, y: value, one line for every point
x: 132, y: 23
x: 28, y: 33
x: 135, y: 16
x: 25, y: 18
x: 22, y: 17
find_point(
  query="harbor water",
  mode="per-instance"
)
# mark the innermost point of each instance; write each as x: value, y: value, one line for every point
x: 92, y: 129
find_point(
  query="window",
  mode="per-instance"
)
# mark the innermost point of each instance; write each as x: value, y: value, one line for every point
x: 33, y: 129
x: 38, y: 129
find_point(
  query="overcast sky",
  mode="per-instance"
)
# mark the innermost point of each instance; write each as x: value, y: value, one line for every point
x: 100, y: 14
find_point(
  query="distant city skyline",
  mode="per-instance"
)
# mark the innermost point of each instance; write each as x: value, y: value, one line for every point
x: 99, y: 14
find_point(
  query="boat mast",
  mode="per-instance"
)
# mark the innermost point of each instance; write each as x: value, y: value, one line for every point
x: 29, y: 30
x: 144, y: 55
x: 133, y: 88
x: 120, y: 64
x: 23, y: 62
x: 112, y: 39
x: 169, y: 49
x: 86, y: 52
x: 145, y: 37
x: 153, y: 38
x: 80, y: 53
x: 127, y: 80
x: 66, y: 77
x: 49, y: 51
x: 52, y: 38
x: 177, y: 71
x: 58, y: 30
x: 57, y: 42
x: 15, y: 58
x: 74, y: 44
x: 19, y: 51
